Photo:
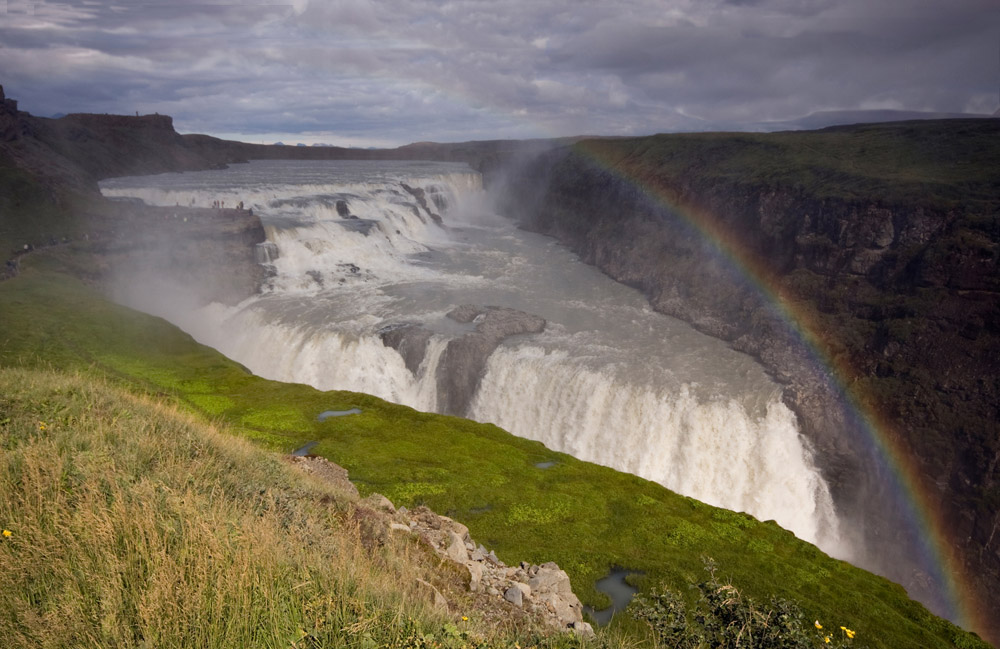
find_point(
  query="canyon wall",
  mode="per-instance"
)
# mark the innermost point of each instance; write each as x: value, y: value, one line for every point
x: 859, y: 261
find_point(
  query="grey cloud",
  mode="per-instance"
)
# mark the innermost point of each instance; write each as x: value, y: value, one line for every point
x: 425, y: 69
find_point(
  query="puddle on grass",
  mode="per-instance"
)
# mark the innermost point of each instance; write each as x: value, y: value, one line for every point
x: 326, y: 414
x: 302, y: 452
x: 545, y: 465
x: 620, y: 592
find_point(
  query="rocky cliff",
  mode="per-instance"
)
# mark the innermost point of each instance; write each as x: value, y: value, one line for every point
x: 500, y: 593
x: 879, y: 243
x: 49, y: 168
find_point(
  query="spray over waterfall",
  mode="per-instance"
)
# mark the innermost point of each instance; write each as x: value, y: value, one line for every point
x: 356, y: 250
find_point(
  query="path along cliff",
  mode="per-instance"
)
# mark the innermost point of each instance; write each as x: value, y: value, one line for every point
x: 857, y: 262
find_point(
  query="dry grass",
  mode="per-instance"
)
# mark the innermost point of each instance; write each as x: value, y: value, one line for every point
x: 134, y: 525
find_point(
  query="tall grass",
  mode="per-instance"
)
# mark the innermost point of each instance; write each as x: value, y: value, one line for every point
x: 133, y: 525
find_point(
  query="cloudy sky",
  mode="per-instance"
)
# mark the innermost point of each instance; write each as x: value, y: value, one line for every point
x: 388, y: 72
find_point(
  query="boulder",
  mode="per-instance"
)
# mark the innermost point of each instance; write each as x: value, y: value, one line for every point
x: 475, y: 575
x: 456, y: 548
x: 514, y: 595
x: 435, y: 595
x: 381, y: 503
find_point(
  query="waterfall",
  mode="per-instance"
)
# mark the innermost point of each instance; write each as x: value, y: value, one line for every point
x: 354, y: 250
x: 714, y: 450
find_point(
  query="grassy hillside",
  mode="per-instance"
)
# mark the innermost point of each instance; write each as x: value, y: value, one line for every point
x: 941, y: 163
x: 133, y: 524
x: 585, y: 517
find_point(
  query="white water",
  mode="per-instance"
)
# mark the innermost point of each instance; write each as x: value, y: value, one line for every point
x: 609, y: 381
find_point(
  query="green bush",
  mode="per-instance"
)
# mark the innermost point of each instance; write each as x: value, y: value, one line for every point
x: 725, y: 618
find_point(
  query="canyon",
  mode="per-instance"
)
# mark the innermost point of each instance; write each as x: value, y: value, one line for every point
x: 881, y: 243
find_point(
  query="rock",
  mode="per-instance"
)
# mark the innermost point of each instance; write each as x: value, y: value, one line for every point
x: 326, y: 471
x: 450, y: 524
x: 456, y: 548
x: 582, y: 628
x: 514, y: 596
x: 475, y: 575
x: 381, y: 503
x: 464, y: 359
x: 410, y: 340
x: 538, y: 590
x: 550, y: 580
x: 419, y: 194
x: 435, y: 595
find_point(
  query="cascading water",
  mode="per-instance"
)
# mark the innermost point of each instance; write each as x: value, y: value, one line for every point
x: 356, y: 248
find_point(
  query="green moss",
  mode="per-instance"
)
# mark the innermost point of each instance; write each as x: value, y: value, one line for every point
x: 211, y: 404
x: 276, y: 417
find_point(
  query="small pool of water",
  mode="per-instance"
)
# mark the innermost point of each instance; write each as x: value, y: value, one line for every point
x: 545, y: 465
x: 326, y: 414
x: 302, y: 452
x: 620, y: 592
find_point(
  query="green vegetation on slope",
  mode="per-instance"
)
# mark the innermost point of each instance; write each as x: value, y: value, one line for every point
x: 40, y: 215
x: 899, y: 162
x: 585, y: 517
x: 131, y: 524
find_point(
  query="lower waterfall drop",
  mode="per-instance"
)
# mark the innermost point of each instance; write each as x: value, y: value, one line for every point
x: 713, y: 450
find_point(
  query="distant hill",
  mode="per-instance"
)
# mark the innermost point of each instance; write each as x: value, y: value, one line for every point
x: 825, y: 118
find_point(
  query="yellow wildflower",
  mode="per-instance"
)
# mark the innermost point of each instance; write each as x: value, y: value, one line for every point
x: 818, y: 625
x: 826, y: 639
x: 41, y: 425
x: 465, y: 618
x: 7, y: 533
x: 850, y: 634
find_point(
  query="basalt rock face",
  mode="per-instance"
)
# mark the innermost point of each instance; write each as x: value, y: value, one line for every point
x: 123, y: 145
x: 10, y: 127
x: 410, y: 340
x: 899, y: 290
x: 463, y: 361
x: 49, y: 169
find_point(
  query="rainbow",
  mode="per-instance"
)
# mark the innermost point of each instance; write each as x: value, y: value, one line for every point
x: 919, y: 509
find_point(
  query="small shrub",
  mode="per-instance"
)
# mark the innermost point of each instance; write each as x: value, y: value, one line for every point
x: 724, y: 618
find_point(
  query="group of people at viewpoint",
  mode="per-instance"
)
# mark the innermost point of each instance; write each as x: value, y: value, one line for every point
x: 221, y: 205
